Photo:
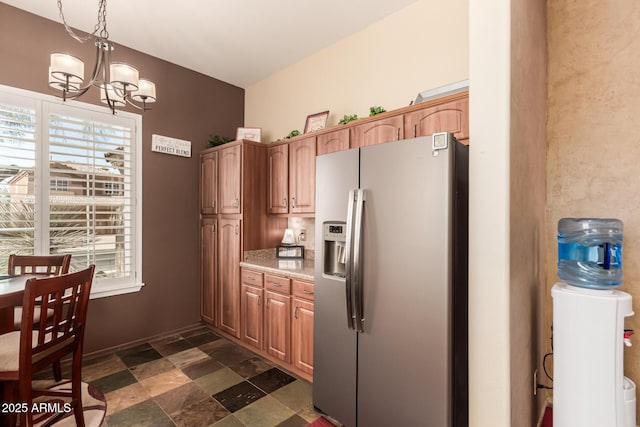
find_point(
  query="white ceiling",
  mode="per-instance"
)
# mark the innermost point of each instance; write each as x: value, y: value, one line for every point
x: 237, y: 41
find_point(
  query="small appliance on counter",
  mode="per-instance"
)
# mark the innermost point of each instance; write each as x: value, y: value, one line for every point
x: 288, y: 247
x: 589, y: 388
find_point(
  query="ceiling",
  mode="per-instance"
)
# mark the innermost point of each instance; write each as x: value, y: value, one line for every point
x: 240, y: 42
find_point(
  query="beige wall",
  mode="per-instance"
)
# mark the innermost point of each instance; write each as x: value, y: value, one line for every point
x: 593, y: 141
x: 420, y: 47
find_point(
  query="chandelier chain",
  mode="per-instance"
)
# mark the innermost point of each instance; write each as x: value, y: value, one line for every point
x: 101, y: 25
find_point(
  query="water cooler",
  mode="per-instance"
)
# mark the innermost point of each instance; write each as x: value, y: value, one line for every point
x: 589, y: 335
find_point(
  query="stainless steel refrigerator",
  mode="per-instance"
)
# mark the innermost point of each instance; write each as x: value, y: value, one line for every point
x: 390, y: 325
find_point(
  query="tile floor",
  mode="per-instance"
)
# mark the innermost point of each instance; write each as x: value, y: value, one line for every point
x: 196, y: 379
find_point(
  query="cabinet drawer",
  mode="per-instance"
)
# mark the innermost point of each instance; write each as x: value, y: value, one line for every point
x: 277, y: 284
x: 302, y: 289
x: 249, y: 277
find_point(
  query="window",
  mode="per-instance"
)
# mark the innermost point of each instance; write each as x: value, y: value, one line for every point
x: 69, y: 178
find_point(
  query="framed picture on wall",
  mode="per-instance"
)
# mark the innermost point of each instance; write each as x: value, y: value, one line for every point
x: 252, y: 134
x: 316, y: 121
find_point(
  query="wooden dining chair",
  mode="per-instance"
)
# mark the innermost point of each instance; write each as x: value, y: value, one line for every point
x: 47, y: 265
x: 39, y: 344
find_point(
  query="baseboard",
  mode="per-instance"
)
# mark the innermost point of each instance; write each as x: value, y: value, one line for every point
x: 130, y: 344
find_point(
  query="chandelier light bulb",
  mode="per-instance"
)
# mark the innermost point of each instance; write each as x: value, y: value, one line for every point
x: 146, y: 91
x: 123, y: 76
x: 65, y: 66
x: 116, y: 98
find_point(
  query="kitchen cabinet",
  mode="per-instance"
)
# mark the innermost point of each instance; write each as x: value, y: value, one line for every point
x: 229, y: 275
x: 251, y: 305
x: 277, y: 323
x: 209, y: 272
x: 448, y: 117
x: 333, y: 141
x: 378, y: 131
x: 278, y: 160
x: 209, y: 183
x: 230, y: 165
x: 233, y: 181
x: 292, y: 174
x: 302, y: 326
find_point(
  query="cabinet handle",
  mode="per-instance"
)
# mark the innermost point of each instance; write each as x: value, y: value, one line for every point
x: 415, y: 130
x: 293, y: 202
x: 268, y: 302
x: 284, y: 203
x: 213, y: 204
x: 237, y: 229
x: 213, y: 228
x: 398, y: 137
x: 258, y: 299
x: 295, y: 312
x: 277, y: 285
x: 304, y: 291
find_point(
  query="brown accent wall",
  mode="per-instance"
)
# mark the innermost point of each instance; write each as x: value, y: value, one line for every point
x: 190, y: 106
x: 593, y: 147
x: 527, y: 193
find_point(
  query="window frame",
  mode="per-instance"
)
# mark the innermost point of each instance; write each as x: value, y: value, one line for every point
x: 44, y: 105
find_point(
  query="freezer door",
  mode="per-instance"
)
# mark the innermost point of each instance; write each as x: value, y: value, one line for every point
x: 404, y: 351
x: 334, y: 359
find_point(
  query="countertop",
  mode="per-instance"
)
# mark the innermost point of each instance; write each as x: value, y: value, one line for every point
x: 266, y: 261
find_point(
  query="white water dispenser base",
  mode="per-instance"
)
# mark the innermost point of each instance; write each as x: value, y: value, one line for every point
x: 589, y: 388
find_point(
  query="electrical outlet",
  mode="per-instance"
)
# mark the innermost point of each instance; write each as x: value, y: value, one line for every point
x: 302, y: 234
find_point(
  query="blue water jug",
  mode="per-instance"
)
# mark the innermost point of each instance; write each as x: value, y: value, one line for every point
x: 590, y: 252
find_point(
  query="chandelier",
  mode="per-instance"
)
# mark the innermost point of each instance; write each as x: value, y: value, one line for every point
x: 119, y: 83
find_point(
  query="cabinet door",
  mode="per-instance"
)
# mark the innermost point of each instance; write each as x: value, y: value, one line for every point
x: 230, y: 170
x: 302, y: 335
x: 277, y: 322
x: 208, y: 287
x: 209, y: 183
x: 302, y: 176
x: 278, y: 158
x: 252, y: 315
x: 229, y: 275
x: 449, y: 117
x: 332, y: 141
x: 379, y: 131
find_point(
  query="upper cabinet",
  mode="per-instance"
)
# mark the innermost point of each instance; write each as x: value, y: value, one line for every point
x: 209, y: 183
x: 278, y: 167
x: 333, y: 141
x: 302, y: 176
x: 230, y: 166
x: 292, y: 172
x: 378, y: 131
x: 448, y: 117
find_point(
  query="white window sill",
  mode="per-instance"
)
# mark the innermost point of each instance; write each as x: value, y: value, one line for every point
x: 109, y: 291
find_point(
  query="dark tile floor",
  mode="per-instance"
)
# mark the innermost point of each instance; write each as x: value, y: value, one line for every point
x: 198, y: 379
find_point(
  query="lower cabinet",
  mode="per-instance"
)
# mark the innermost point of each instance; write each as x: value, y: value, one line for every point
x: 277, y: 319
x: 277, y: 325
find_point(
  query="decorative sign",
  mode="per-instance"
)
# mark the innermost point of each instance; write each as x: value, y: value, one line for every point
x: 173, y: 146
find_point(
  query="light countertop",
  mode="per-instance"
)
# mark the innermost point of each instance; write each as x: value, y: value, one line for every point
x: 266, y: 261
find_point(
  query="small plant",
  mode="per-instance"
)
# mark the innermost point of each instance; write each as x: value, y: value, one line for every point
x: 346, y: 119
x: 376, y: 110
x: 215, y: 140
x: 292, y: 134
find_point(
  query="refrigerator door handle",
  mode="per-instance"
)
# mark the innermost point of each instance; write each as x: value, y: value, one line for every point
x: 348, y: 260
x: 357, y: 260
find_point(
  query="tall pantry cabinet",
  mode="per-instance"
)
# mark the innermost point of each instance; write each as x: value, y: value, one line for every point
x: 233, y: 219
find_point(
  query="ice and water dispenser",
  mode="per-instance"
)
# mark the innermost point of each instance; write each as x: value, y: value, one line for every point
x: 589, y: 335
x: 334, y: 236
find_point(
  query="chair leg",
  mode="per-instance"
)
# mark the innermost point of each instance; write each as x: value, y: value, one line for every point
x: 57, y: 371
x: 9, y: 393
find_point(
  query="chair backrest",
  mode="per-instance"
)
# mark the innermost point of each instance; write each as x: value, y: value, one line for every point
x: 51, y: 338
x: 46, y: 264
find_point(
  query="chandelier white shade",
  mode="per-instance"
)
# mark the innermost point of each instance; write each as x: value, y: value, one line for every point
x: 119, y: 83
